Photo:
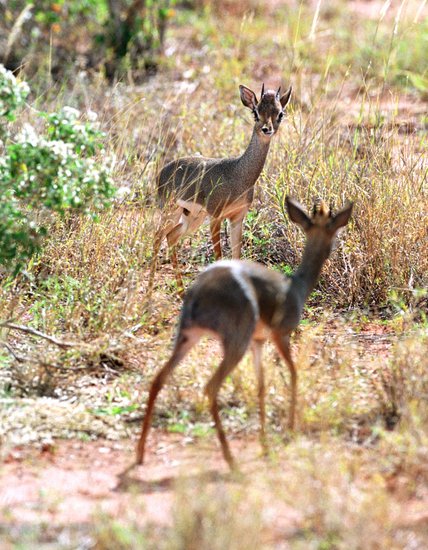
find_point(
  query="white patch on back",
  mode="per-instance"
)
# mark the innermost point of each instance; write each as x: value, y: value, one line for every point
x: 236, y: 272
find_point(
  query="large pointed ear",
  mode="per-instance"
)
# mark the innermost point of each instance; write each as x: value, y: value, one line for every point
x: 248, y: 97
x: 341, y: 218
x: 297, y: 214
x: 285, y: 99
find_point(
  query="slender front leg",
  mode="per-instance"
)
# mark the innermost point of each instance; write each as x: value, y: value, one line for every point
x: 282, y: 342
x: 215, y: 226
x: 236, y: 235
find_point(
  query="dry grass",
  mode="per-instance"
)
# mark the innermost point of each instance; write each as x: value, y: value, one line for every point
x: 356, y: 131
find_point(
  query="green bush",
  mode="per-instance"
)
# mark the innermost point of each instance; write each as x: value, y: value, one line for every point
x: 53, y: 170
x: 12, y: 96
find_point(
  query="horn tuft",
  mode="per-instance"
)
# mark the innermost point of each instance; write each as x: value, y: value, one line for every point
x: 321, y: 209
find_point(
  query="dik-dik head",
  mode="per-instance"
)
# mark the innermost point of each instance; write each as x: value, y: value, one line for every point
x: 269, y: 111
x: 321, y: 227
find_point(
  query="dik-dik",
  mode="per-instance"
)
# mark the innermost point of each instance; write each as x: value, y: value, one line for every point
x: 191, y: 188
x: 242, y: 303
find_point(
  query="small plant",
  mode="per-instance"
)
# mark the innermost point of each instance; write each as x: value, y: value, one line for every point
x: 12, y: 96
x: 54, y: 170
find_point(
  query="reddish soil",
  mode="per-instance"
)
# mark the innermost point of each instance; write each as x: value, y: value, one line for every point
x: 74, y: 482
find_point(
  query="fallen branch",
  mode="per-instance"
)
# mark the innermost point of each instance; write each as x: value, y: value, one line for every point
x: 10, y: 350
x: 23, y: 328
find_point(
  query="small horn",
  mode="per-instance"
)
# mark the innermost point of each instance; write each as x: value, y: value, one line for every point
x: 263, y: 90
x: 278, y: 92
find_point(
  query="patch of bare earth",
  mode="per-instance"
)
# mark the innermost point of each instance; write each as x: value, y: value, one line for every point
x: 74, y: 482
x: 71, y: 483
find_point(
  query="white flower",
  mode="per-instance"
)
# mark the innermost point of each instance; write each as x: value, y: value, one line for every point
x: 25, y: 88
x: 123, y: 192
x: 28, y: 135
x: 92, y: 116
x: 61, y: 149
x: 70, y: 113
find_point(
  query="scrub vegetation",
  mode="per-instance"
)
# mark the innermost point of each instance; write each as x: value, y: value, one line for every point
x: 81, y: 339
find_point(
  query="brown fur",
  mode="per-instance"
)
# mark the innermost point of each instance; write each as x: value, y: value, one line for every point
x: 192, y: 187
x: 242, y: 303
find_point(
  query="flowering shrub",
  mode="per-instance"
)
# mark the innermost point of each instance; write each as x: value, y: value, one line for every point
x: 54, y: 170
x: 12, y: 94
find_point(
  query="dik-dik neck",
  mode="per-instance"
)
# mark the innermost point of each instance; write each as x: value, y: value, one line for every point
x: 308, y: 272
x: 251, y: 162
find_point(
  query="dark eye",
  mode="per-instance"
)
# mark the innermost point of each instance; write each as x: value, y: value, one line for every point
x: 280, y: 116
x: 256, y: 115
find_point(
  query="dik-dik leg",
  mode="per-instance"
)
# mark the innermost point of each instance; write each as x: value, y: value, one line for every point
x: 230, y: 360
x: 182, y: 347
x: 215, y: 227
x: 166, y: 224
x: 236, y: 234
x: 282, y: 342
x: 192, y: 216
x: 234, y: 345
x: 257, y: 348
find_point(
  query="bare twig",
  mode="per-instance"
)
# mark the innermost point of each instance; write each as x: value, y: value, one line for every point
x: 10, y: 350
x: 23, y: 328
x: 16, y: 31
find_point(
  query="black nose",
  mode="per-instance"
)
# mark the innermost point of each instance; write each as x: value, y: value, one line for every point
x: 267, y: 130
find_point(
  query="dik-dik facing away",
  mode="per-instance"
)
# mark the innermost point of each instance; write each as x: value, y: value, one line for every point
x: 243, y: 303
x: 220, y: 188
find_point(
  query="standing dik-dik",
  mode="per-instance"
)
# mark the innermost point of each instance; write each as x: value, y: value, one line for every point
x: 220, y: 188
x: 243, y: 303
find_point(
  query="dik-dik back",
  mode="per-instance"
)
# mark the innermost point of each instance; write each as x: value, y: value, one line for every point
x: 211, y: 183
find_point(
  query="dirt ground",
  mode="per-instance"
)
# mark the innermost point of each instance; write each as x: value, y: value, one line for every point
x: 67, y: 483
x: 71, y: 483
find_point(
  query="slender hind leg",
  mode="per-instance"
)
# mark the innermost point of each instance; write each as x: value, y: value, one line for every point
x: 282, y: 342
x: 163, y: 229
x: 256, y: 348
x: 189, y: 222
x: 182, y: 346
x: 178, y: 277
x: 232, y: 355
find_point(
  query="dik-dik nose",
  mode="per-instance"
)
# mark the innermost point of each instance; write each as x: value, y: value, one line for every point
x: 267, y: 130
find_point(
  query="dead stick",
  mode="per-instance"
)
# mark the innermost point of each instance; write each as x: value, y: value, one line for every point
x: 34, y: 332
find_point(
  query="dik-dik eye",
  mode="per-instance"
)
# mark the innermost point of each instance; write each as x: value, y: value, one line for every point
x: 256, y: 115
x: 280, y: 116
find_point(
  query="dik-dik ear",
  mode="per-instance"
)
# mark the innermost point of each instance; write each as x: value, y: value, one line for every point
x: 341, y: 218
x: 297, y: 214
x: 285, y: 99
x: 248, y: 97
